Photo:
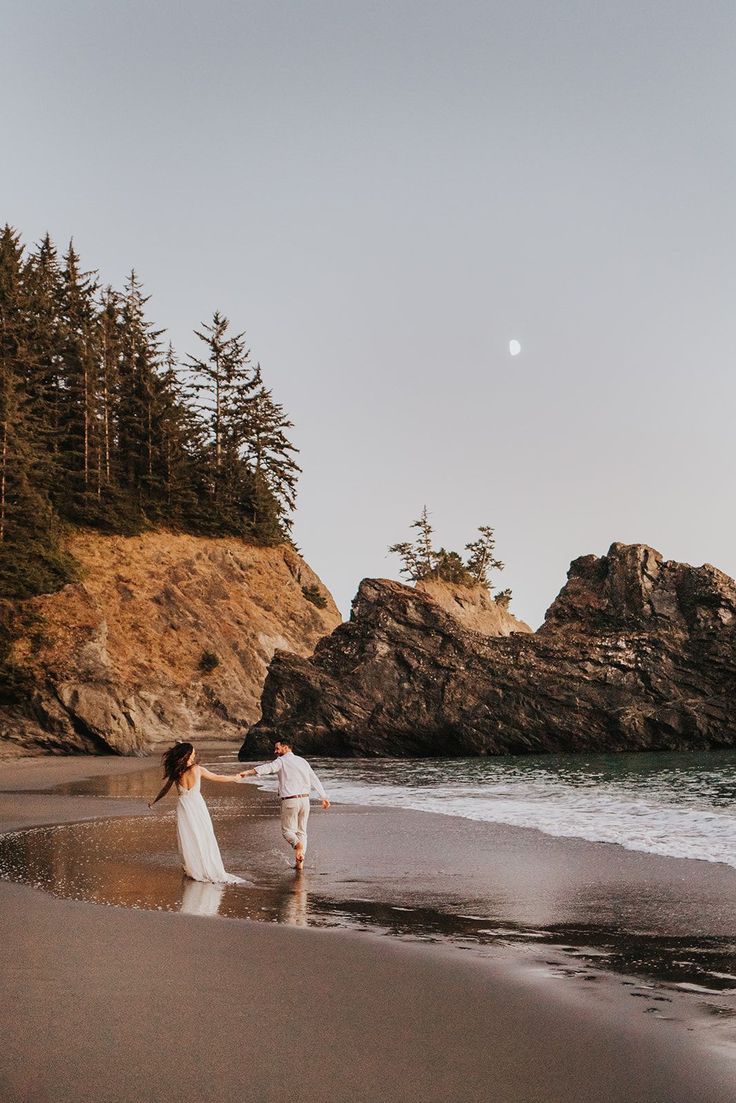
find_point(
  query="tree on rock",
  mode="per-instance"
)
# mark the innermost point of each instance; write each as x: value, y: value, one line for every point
x: 420, y: 560
x: 417, y: 559
x: 482, y: 559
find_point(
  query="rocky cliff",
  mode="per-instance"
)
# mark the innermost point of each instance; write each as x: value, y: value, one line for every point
x: 635, y: 653
x: 164, y: 636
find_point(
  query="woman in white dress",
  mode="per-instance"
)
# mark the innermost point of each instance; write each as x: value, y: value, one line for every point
x: 200, y: 854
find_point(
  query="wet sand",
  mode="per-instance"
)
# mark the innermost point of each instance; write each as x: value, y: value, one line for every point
x: 113, y: 1003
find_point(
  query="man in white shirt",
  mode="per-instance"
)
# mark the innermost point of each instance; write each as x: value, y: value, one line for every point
x: 296, y: 781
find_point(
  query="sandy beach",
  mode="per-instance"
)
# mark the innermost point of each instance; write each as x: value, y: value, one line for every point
x: 113, y: 1003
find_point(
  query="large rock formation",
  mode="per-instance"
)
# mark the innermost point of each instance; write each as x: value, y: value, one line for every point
x: 164, y: 636
x: 634, y: 654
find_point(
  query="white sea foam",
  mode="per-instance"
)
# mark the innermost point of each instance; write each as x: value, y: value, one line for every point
x: 681, y: 806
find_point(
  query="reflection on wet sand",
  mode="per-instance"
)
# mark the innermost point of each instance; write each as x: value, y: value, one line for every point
x: 141, y: 784
x: 290, y: 900
x: 293, y: 901
x: 134, y: 862
x: 201, y: 898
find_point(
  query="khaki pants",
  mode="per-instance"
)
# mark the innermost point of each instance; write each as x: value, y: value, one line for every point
x: 294, y: 816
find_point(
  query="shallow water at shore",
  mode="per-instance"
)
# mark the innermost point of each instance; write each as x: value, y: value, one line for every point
x: 568, y: 907
x: 678, y: 805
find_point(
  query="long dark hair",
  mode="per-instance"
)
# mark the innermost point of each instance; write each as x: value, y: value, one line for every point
x: 174, y: 761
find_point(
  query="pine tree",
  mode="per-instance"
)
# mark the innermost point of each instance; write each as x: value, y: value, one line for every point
x: 270, y: 455
x: 30, y: 560
x: 482, y: 559
x: 14, y: 423
x: 222, y: 384
x: 136, y: 398
x: 42, y: 281
x: 181, y: 443
x: 418, y: 560
x: 449, y: 567
x: 78, y: 385
x: 110, y: 351
x: 425, y: 551
x: 11, y: 342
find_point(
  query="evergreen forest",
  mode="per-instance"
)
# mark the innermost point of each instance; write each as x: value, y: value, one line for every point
x: 102, y: 425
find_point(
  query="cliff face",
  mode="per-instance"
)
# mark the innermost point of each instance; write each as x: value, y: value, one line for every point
x: 635, y: 653
x: 117, y: 661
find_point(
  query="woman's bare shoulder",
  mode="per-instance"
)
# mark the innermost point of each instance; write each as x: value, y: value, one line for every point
x: 188, y: 778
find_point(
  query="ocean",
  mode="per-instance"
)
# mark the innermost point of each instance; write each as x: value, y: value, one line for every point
x: 677, y: 805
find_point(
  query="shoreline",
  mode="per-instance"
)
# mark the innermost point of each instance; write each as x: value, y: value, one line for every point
x: 470, y: 1027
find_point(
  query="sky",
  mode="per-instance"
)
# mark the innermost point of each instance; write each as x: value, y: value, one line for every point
x: 383, y: 195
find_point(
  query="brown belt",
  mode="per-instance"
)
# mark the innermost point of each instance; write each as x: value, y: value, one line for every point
x: 296, y: 796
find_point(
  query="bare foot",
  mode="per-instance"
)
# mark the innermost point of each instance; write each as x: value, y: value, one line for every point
x: 299, y: 855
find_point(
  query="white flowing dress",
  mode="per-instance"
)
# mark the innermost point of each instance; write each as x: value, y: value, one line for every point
x: 195, y: 835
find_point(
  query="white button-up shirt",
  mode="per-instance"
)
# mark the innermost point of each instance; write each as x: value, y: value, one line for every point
x: 295, y: 775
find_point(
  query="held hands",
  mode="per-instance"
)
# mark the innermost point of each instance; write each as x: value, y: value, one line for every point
x: 325, y: 804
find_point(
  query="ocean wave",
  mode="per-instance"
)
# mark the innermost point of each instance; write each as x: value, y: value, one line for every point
x: 675, y: 806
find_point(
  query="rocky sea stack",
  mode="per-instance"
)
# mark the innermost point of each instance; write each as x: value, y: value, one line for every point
x: 635, y: 654
x: 163, y: 636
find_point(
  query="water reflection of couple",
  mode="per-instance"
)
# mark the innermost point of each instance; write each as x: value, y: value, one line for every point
x: 198, y: 847
x: 291, y: 901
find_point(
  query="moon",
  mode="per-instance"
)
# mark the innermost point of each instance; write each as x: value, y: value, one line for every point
x: 514, y: 347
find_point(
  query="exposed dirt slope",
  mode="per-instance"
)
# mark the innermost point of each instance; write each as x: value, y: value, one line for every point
x: 118, y: 660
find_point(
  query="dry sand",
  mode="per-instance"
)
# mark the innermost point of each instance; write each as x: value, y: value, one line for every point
x: 110, y: 1004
